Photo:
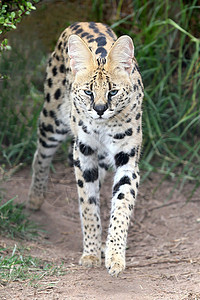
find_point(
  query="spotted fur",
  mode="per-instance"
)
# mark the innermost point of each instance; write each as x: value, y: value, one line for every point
x: 93, y: 92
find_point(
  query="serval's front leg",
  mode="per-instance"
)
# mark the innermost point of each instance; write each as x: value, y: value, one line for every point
x: 87, y: 177
x: 125, y: 188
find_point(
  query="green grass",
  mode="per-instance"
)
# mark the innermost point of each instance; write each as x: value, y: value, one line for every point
x: 165, y: 34
x: 14, y: 222
x: 18, y: 265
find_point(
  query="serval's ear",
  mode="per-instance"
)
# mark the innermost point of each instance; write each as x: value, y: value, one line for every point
x: 81, y: 57
x: 121, y: 54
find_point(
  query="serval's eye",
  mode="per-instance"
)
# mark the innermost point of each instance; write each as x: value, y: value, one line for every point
x: 88, y: 92
x: 112, y: 93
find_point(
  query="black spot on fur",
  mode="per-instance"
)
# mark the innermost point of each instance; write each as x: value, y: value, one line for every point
x: 52, y: 114
x: 101, y: 41
x: 129, y: 132
x: 132, y: 153
x: 79, y: 31
x: 132, y: 193
x: 102, y: 51
x: 134, y: 175
x: 119, y: 136
x: 48, y: 128
x: 80, y: 183
x: 121, y: 159
x: 57, y: 94
x: 54, y: 71
x: 45, y: 145
x: 59, y: 45
x: 62, y: 68
x: 48, y: 98
x: 45, y: 112
x: 92, y: 200
x: 104, y: 166
x: 77, y: 164
x: 137, y: 116
x: 123, y: 180
x: 86, y: 150
x: 90, y: 175
x: 62, y: 131
x: 80, y: 123
x: 120, y: 196
x: 49, y: 82
x: 84, y: 34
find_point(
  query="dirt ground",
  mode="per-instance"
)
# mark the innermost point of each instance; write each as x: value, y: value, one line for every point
x: 163, y: 254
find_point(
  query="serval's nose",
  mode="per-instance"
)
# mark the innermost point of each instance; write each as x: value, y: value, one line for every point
x: 100, y: 108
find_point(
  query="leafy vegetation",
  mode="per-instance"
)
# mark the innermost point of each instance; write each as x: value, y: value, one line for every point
x: 11, y: 13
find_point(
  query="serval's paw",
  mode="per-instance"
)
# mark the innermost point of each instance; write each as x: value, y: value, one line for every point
x: 90, y: 261
x: 34, y: 202
x: 115, y: 264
